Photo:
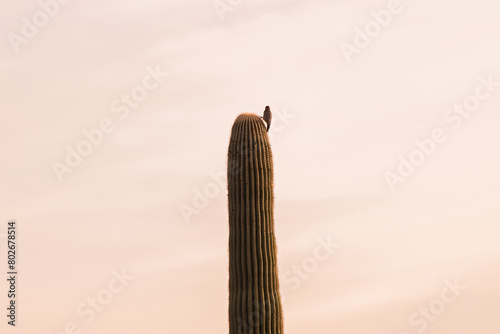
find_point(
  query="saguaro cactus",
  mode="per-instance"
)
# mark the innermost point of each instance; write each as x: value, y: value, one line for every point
x: 254, y: 298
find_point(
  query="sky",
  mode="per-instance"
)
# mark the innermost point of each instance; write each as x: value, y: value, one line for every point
x: 116, y: 121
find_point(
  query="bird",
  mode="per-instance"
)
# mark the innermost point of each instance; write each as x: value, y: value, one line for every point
x: 267, y: 117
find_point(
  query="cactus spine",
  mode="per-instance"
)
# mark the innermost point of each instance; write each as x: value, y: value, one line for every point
x: 254, y: 299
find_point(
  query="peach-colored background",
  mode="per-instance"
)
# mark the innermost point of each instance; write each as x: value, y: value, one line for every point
x: 351, y: 121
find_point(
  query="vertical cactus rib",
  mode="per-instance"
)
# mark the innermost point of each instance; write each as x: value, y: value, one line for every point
x: 254, y: 299
x: 235, y: 212
x: 254, y: 239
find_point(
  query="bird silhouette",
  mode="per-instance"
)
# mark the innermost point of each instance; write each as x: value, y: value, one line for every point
x: 267, y: 117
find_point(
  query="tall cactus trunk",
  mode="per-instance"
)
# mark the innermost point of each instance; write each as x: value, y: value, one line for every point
x: 254, y: 298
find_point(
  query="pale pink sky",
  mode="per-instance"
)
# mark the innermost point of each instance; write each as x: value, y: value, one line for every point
x: 347, y: 125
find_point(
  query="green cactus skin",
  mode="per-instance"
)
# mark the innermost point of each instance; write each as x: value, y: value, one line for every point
x: 254, y: 298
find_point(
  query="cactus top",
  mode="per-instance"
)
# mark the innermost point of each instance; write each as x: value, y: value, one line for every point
x: 254, y: 299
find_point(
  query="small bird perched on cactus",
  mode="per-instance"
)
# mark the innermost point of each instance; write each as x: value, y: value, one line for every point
x: 267, y: 117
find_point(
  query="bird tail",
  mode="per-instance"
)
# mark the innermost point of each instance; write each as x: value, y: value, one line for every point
x: 268, y: 126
